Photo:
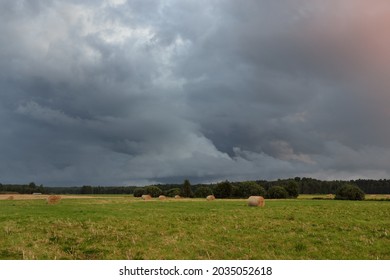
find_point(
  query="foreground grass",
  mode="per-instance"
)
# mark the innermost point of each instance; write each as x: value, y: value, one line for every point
x: 127, y: 228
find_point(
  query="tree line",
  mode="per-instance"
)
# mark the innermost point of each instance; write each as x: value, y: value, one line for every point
x: 281, y: 187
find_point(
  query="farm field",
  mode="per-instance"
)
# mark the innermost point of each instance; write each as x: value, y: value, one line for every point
x: 124, y: 227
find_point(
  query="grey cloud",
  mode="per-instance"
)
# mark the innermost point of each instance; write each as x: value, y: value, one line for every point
x: 137, y: 92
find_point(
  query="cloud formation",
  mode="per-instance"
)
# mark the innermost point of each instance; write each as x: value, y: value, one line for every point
x: 137, y: 92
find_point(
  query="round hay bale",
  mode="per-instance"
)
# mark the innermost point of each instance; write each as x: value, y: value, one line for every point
x: 256, y: 201
x: 146, y: 197
x: 162, y: 197
x: 210, y: 197
x: 177, y: 196
x: 53, y: 199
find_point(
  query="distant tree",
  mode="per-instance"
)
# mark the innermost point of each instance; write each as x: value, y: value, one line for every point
x: 186, y: 190
x: 172, y: 192
x: 256, y: 189
x: 277, y: 192
x: 203, y: 191
x: 41, y: 189
x: 223, y: 190
x: 86, y: 190
x: 248, y: 188
x: 138, y: 192
x: 30, y: 188
x: 349, y: 192
x: 292, y: 189
x: 153, y: 191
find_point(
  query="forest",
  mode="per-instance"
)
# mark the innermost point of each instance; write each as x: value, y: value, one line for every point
x: 226, y: 189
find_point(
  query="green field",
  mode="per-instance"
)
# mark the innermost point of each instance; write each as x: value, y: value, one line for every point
x: 128, y: 228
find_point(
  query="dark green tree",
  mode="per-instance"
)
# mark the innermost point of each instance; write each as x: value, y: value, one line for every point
x: 277, y: 192
x: 86, y: 190
x: 172, y: 192
x: 138, y: 192
x: 203, y: 191
x: 41, y: 189
x: 223, y: 190
x: 248, y: 188
x: 186, y: 190
x: 153, y: 191
x: 349, y: 192
x: 292, y: 189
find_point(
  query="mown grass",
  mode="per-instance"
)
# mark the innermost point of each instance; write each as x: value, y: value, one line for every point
x: 127, y: 228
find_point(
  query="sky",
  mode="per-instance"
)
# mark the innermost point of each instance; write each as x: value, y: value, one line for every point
x: 140, y: 92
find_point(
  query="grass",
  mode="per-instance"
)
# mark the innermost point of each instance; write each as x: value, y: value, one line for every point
x: 117, y: 227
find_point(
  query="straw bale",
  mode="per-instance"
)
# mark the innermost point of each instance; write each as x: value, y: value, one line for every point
x: 146, y: 197
x: 53, y: 199
x: 256, y: 201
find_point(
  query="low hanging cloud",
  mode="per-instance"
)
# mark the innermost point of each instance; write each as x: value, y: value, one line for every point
x: 139, y: 92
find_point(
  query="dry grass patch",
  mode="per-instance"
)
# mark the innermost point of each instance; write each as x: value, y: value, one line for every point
x: 20, y: 196
x: 40, y: 196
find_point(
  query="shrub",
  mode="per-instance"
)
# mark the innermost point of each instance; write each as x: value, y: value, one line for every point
x: 349, y: 192
x: 277, y: 192
x: 223, y: 190
x: 203, y: 191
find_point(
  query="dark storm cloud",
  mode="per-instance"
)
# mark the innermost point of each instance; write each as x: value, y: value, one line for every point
x: 135, y: 92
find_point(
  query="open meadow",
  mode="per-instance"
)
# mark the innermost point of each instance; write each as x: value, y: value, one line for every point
x: 124, y: 227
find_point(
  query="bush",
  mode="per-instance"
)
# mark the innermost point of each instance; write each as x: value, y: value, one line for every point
x: 153, y: 191
x: 349, y: 192
x: 203, y: 191
x: 277, y: 192
x: 223, y: 190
